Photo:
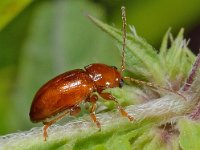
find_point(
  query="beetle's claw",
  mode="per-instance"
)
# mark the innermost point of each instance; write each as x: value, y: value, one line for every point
x: 130, y: 118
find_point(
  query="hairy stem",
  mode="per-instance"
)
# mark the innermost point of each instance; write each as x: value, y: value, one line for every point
x: 192, y: 74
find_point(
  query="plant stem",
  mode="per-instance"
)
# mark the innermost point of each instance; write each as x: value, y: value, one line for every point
x: 192, y: 74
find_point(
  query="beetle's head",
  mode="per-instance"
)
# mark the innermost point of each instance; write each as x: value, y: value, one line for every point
x: 104, y: 76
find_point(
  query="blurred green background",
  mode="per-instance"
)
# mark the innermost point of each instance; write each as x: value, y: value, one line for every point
x: 42, y: 38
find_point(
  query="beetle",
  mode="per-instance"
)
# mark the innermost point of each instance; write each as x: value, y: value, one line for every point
x: 68, y: 90
x: 64, y: 93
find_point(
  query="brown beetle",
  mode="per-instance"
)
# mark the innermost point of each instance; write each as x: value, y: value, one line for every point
x: 64, y: 93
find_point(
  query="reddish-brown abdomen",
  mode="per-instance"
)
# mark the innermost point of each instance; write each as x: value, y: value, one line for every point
x: 61, y: 93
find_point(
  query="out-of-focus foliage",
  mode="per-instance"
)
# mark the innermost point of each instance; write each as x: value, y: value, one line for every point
x: 152, y: 18
x: 189, y: 134
x: 9, y: 9
x: 52, y: 36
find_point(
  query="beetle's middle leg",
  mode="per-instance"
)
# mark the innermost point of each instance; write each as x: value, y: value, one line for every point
x: 93, y: 100
x: 74, y: 111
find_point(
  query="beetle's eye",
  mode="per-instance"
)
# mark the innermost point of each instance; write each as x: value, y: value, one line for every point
x: 121, y: 83
x: 114, y: 67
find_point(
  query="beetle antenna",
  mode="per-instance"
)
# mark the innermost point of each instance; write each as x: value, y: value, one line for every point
x: 124, y: 38
x: 123, y: 10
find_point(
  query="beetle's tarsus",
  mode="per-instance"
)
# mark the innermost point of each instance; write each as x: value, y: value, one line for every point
x: 45, y: 135
x: 124, y: 113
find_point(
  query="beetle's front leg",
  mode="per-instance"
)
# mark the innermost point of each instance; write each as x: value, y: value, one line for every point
x: 108, y: 96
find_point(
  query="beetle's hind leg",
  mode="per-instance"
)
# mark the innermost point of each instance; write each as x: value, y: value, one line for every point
x: 45, y: 134
x: 48, y: 124
x: 73, y: 111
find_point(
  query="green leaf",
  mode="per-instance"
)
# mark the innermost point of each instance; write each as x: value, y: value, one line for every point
x: 177, y: 59
x: 143, y: 139
x: 164, y: 44
x: 189, y: 134
x: 11, y: 8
